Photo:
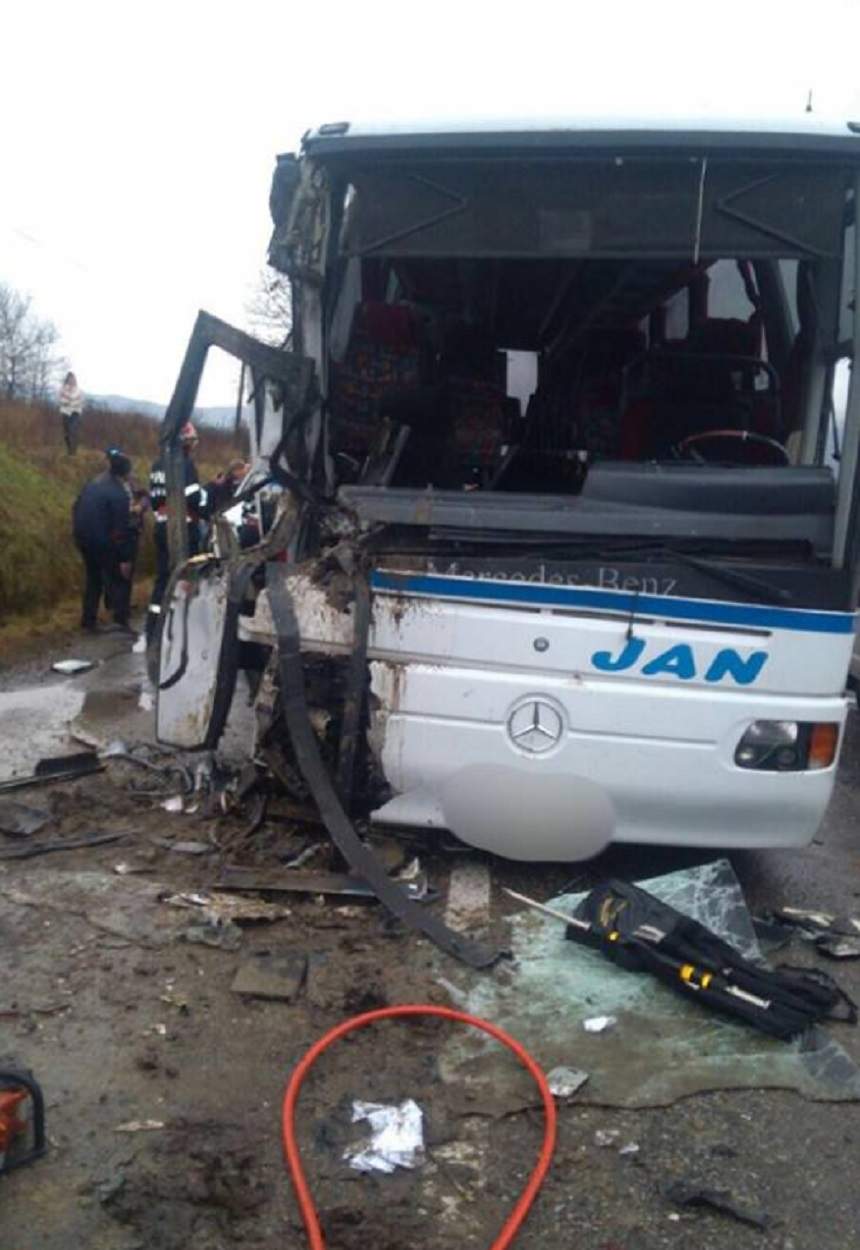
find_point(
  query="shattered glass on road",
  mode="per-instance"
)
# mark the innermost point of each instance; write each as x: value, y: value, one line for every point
x: 663, y: 1047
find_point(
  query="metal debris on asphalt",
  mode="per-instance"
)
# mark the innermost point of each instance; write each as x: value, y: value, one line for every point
x: 293, y: 881
x: 837, y: 947
x: 27, y: 850
x: 269, y: 974
x: 222, y: 907
x: 836, y: 936
x: 19, y: 820
x: 70, y: 667
x: 690, y: 1194
x: 303, y: 857
x: 221, y: 934
x: 599, y: 1024
x: 564, y: 1082
x: 56, y: 768
x: 397, y: 1137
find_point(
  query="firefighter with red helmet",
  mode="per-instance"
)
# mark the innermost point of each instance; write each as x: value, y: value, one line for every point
x: 195, y: 506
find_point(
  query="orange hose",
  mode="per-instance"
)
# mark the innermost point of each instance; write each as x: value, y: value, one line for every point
x: 294, y: 1163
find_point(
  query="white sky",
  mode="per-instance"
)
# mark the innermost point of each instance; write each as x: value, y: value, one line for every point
x: 138, y: 141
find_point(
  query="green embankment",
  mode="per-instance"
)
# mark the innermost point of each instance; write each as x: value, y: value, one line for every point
x: 40, y: 569
x: 39, y: 564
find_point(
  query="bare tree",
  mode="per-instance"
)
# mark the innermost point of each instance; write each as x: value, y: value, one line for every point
x: 270, y: 308
x: 29, y: 349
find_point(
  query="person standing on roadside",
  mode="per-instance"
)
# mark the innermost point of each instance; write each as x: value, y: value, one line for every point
x: 103, y: 535
x: 195, y: 509
x: 71, y: 407
x: 138, y: 506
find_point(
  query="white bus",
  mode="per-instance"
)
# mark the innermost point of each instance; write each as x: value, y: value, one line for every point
x: 558, y: 521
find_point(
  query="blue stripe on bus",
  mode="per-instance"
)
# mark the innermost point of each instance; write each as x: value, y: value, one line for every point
x: 666, y: 607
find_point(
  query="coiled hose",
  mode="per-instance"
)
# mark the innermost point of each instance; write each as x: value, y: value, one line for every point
x: 291, y: 1151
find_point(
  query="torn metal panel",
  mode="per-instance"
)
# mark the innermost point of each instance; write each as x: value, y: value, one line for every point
x: 199, y: 654
x: 300, y: 208
x: 293, y: 372
x: 358, y: 856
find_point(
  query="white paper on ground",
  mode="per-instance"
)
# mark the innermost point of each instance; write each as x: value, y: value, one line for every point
x: 397, y: 1137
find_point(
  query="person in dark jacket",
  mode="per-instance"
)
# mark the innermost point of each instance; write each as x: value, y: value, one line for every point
x: 195, y: 507
x: 221, y: 489
x: 100, y: 521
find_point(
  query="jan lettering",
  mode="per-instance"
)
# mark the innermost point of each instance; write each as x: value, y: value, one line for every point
x: 680, y: 661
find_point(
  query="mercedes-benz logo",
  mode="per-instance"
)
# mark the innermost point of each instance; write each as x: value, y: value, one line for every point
x: 535, y: 726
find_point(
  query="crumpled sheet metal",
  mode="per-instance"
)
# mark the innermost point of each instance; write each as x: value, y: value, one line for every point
x: 663, y: 1046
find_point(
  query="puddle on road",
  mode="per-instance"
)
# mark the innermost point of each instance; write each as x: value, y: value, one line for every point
x: 114, y: 700
x: 35, y: 723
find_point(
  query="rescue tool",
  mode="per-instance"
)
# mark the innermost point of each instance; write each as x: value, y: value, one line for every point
x: 22, y: 1120
x: 642, y: 934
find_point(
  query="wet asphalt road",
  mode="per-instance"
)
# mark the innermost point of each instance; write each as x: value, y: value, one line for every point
x: 773, y: 1150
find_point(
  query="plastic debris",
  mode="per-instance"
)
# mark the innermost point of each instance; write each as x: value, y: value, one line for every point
x: 632, y: 1148
x: 397, y: 1137
x: 139, y: 647
x: 687, y: 1194
x: 139, y: 1126
x: 606, y: 1137
x: 145, y: 701
x: 69, y: 667
x: 174, y: 804
x: 564, y: 1082
x: 599, y: 1024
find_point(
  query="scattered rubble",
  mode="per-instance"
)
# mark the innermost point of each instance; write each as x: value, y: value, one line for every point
x: 469, y: 892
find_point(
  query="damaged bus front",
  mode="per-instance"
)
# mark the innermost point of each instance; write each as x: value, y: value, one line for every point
x: 556, y: 540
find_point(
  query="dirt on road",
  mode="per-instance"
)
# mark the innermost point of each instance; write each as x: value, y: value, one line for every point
x: 163, y: 1084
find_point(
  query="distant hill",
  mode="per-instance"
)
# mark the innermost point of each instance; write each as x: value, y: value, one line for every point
x: 216, y: 418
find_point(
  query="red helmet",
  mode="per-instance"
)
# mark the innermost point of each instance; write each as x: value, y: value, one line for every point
x: 188, y: 433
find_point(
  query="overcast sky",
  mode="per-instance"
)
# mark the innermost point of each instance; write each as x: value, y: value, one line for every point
x: 138, y: 141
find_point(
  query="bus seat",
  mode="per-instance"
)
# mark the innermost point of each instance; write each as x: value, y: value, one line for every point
x: 382, y: 355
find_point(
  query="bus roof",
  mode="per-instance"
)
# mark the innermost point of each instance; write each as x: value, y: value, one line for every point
x: 808, y: 136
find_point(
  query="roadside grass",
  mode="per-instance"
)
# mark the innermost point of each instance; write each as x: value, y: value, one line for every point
x: 40, y: 569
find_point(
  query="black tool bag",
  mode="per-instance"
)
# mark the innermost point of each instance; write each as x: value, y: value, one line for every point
x: 637, y: 931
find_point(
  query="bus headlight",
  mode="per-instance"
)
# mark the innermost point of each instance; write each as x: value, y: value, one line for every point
x: 787, y: 746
